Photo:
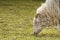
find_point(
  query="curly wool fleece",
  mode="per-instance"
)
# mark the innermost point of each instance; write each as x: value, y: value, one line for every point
x: 48, y: 14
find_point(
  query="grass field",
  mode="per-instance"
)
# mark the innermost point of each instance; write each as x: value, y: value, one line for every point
x: 16, y: 19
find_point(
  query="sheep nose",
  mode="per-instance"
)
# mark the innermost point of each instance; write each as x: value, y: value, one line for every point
x: 35, y: 33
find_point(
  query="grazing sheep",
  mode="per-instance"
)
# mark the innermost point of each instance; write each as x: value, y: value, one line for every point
x: 48, y: 14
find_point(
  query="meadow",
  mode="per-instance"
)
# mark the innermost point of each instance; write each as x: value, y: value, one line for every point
x: 16, y: 21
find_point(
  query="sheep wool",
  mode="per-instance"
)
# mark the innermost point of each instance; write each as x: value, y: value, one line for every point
x: 49, y: 13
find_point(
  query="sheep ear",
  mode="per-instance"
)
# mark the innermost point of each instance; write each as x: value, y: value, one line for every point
x: 37, y: 15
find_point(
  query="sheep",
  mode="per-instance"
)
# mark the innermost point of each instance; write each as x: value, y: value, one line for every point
x: 48, y: 14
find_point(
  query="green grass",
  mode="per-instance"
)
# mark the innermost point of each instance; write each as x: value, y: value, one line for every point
x: 16, y: 19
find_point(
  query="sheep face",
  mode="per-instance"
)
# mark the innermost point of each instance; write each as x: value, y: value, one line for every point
x: 37, y: 24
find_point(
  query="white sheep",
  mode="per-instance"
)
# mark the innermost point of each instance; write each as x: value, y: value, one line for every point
x: 48, y: 14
